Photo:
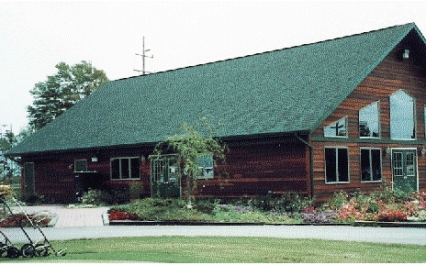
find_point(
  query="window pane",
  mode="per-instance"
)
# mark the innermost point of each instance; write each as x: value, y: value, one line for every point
x: 115, y: 169
x: 365, y: 165
x: 135, y: 167
x: 402, y: 116
x: 330, y: 164
x: 369, y: 121
x: 205, y: 165
x: 125, y: 168
x: 376, y: 164
x: 410, y: 168
x: 343, y: 165
x: 397, y: 164
x: 336, y: 129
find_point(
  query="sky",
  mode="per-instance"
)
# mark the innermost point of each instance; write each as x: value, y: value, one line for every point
x: 37, y: 35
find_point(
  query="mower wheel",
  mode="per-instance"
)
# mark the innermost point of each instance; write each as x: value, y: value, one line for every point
x: 41, y: 250
x: 28, y: 251
x: 13, y: 252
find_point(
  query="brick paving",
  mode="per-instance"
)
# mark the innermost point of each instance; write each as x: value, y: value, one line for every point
x: 69, y: 216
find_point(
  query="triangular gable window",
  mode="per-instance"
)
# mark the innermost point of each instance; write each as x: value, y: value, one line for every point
x: 337, y: 129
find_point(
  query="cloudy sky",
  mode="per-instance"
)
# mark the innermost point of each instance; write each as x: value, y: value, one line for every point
x: 36, y: 35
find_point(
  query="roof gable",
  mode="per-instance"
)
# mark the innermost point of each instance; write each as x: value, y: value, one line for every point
x: 281, y: 91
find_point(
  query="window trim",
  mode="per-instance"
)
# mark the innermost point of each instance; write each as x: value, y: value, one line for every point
x: 371, y: 160
x: 424, y: 120
x: 129, y: 158
x: 348, y: 165
x: 378, y: 121
x: 346, y: 119
x: 75, y: 165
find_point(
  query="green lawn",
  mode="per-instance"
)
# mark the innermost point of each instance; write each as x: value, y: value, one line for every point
x: 229, y: 250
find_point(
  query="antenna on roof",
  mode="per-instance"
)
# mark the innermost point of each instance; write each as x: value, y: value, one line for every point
x: 143, y: 55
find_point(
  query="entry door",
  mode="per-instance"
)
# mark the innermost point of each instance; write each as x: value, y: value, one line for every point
x: 405, y: 169
x: 165, y: 179
x: 29, y: 187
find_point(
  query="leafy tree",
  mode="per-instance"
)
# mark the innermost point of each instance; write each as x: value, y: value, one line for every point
x: 188, y: 144
x: 62, y: 90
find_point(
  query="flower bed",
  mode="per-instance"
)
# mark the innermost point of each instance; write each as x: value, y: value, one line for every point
x: 343, y: 208
x: 14, y: 220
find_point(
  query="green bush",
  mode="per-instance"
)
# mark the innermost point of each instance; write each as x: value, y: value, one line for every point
x: 92, y: 196
x: 116, y: 194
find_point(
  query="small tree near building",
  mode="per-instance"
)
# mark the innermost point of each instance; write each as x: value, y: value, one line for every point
x: 189, y: 144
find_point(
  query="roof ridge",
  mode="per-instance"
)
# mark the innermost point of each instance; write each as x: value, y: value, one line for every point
x: 270, y: 51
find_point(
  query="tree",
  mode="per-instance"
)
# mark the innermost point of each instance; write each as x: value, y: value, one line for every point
x: 7, y: 140
x: 189, y: 144
x: 62, y: 90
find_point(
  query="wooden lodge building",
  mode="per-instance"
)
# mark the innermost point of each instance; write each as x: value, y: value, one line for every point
x: 341, y: 114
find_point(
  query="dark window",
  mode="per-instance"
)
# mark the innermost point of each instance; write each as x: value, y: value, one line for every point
x: 125, y: 168
x: 336, y: 165
x: 80, y: 165
x: 371, y: 165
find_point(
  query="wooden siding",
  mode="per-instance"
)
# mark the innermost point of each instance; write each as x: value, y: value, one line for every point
x: 391, y: 75
x: 251, y: 169
x: 257, y: 170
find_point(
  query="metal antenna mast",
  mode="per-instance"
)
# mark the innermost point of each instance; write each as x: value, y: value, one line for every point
x: 143, y: 55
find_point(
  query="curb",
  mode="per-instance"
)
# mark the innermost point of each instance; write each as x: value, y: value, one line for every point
x: 391, y: 224
x: 150, y: 223
x: 105, y: 218
x: 197, y: 223
x: 53, y: 221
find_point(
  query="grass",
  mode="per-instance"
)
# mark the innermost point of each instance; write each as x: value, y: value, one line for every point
x: 229, y: 250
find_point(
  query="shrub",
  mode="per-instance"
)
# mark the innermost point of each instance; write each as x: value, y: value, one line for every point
x: 392, y: 215
x: 92, y: 196
x: 339, y: 199
x: 122, y: 215
x: 289, y: 202
x: 116, y: 193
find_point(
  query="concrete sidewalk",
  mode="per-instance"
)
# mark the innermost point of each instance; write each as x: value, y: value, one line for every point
x: 69, y: 216
x: 82, y: 223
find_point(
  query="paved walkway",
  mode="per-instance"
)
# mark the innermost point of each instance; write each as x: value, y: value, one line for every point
x: 82, y: 223
x: 68, y: 216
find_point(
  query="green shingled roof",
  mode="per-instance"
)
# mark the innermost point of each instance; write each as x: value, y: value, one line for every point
x: 281, y: 91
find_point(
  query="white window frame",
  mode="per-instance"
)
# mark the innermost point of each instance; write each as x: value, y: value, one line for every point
x: 371, y: 163
x: 335, y: 122
x: 337, y: 165
x: 378, y: 121
x: 414, y: 117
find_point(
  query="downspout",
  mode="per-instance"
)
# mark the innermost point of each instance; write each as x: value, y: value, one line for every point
x: 311, y: 163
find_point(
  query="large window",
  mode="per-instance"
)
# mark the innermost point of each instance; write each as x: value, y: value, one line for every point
x: 337, y: 129
x: 125, y: 168
x: 205, y: 164
x: 336, y: 165
x: 371, y: 164
x: 402, y: 116
x: 369, y: 125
